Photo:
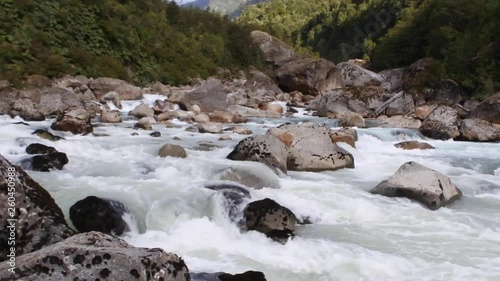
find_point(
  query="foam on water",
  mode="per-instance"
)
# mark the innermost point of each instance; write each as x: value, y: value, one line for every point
x: 354, y: 236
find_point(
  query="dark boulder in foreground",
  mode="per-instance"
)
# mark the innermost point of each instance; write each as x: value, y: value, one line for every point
x: 96, y: 256
x: 40, y: 222
x: 38, y: 148
x: 270, y: 218
x: 51, y: 161
x: 219, y: 276
x: 421, y: 184
x: 265, y: 149
x: 97, y: 214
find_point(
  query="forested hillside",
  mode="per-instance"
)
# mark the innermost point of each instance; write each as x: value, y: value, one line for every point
x: 232, y: 8
x: 136, y: 40
x: 462, y: 36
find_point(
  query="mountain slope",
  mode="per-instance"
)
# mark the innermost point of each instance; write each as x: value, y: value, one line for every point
x: 231, y: 8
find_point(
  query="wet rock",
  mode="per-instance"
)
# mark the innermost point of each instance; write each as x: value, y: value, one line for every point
x: 108, y: 116
x: 411, y: 145
x: 272, y: 219
x: 220, y: 276
x: 211, y: 128
x: 145, y: 123
x: 46, y: 135
x: 351, y: 119
x: 343, y: 137
x: 478, y: 130
x: 256, y: 177
x: 98, y: 214
x: 265, y: 149
x: 114, y: 97
x: 274, y: 50
x: 40, y: 222
x: 25, y: 109
x: 310, y: 76
x: 172, y: 150
x: 488, y: 110
x: 142, y: 110
x: 192, y: 129
x: 350, y: 131
x: 97, y: 256
x: 221, y: 117
x: 48, y: 162
x: 442, y: 123
x: 313, y: 150
x: 155, y: 134
x: 234, y: 196
x: 76, y: 121
x: 38, y: 148
x: 355, y: 75
x: 419, y: 183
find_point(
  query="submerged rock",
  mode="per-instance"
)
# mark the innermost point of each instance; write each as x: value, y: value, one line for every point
x: 98, y: 214
x: 38, y: 148
x: 270, y: 218
x: 40, y: 222
x: 233, y: 195
x: 421, y: 184
x: 44, y: 134
x: 76, y: 121
x: 220, y: 276
x: 265, y: 149
x: 172, y: 150
x: 97, y: 256
x: 51, y: 161
x: 257, y: 176
x: 410, y: 145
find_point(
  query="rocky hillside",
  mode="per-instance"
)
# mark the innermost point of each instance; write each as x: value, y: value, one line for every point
x: 232, y: 8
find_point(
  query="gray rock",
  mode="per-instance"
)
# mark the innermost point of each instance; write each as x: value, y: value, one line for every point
x: 355, y: 75
x: 400, y: 122
x: 312, y: 149
x: 40, y: 222
x: 488, y: 110
x: 142, y: 110
x: 442, y: 123
x: 361, y: 100
x: 108, y: 116
x: 395, y: 77
x: 310, y: 76
x: 76, y: 121
x: 401, y: 106
x: 46, y: 135
x: 260, y: 88
x: 54, y: 101
x: 352, y: 119
x: 114, y: 97
x: 104, y: 85
x: 275, y: 51
x: 411, y: 145
x: 172, y: 150
x: 272, y: 219
x: 256, y: 177
x: 421, y: 184
x: 265, y: 149
x: 209, y: 127
x: 145, y: 123
x: 248, y: 112
x: 26, y: 110
x: 209, y: 96
x: 478, y: 130
x: 95, y: 255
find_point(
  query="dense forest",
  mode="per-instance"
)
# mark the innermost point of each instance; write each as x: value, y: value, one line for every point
x: 461, y: 35
x: 136, y: 40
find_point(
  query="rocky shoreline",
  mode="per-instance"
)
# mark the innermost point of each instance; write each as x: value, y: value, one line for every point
x: 49, y: 249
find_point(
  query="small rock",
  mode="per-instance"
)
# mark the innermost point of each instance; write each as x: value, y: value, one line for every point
x: 224, y: 137
x: 46, y: 135
x: 202, y: 118
x: 192, y: 129
x: 276, y: 108
x: 176, y: 138
x: 211, y: 128
x: 352, y: 119
x: 221, y: 117
x: 155, y: 134
x: 108, y: 116
x: 51, y: 161
x: 422, y: 112
x: 141, y: 111
x: 349, y: 131
x: 172, y: 150
x: 242, y: 130
x: 410, y: 145
x: 144, y: 123
x: 343, y: 137
x: 38, y: 148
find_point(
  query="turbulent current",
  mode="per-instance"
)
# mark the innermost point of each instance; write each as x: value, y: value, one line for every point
x: 354, y: 235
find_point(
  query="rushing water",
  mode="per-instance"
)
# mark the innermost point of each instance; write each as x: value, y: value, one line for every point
x: 354, y: 236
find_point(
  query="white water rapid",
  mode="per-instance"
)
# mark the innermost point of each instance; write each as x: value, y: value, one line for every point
x: 354, y: 236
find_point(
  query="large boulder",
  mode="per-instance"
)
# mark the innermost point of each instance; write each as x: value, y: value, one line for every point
x: 265, y: 149
x: 355, y: 75
x: 421, y: 184
x: 38, y: 220
x: 54, y: 101
x: 361, y: 100
x: 96, y: 256
x: 272, y: 219
x: 488, y: 110
x: 76, y: 121
x: 478, y: 130
x: 209, y: 96
x: 104, y: 85
x: 275, y: 51
x: 401, y: 106
x: 25, y: 109
x: 97, y: 214
x: 442, y: 124
x: 310, y: 76
x: 260, y: 88
x: 312, y: 149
